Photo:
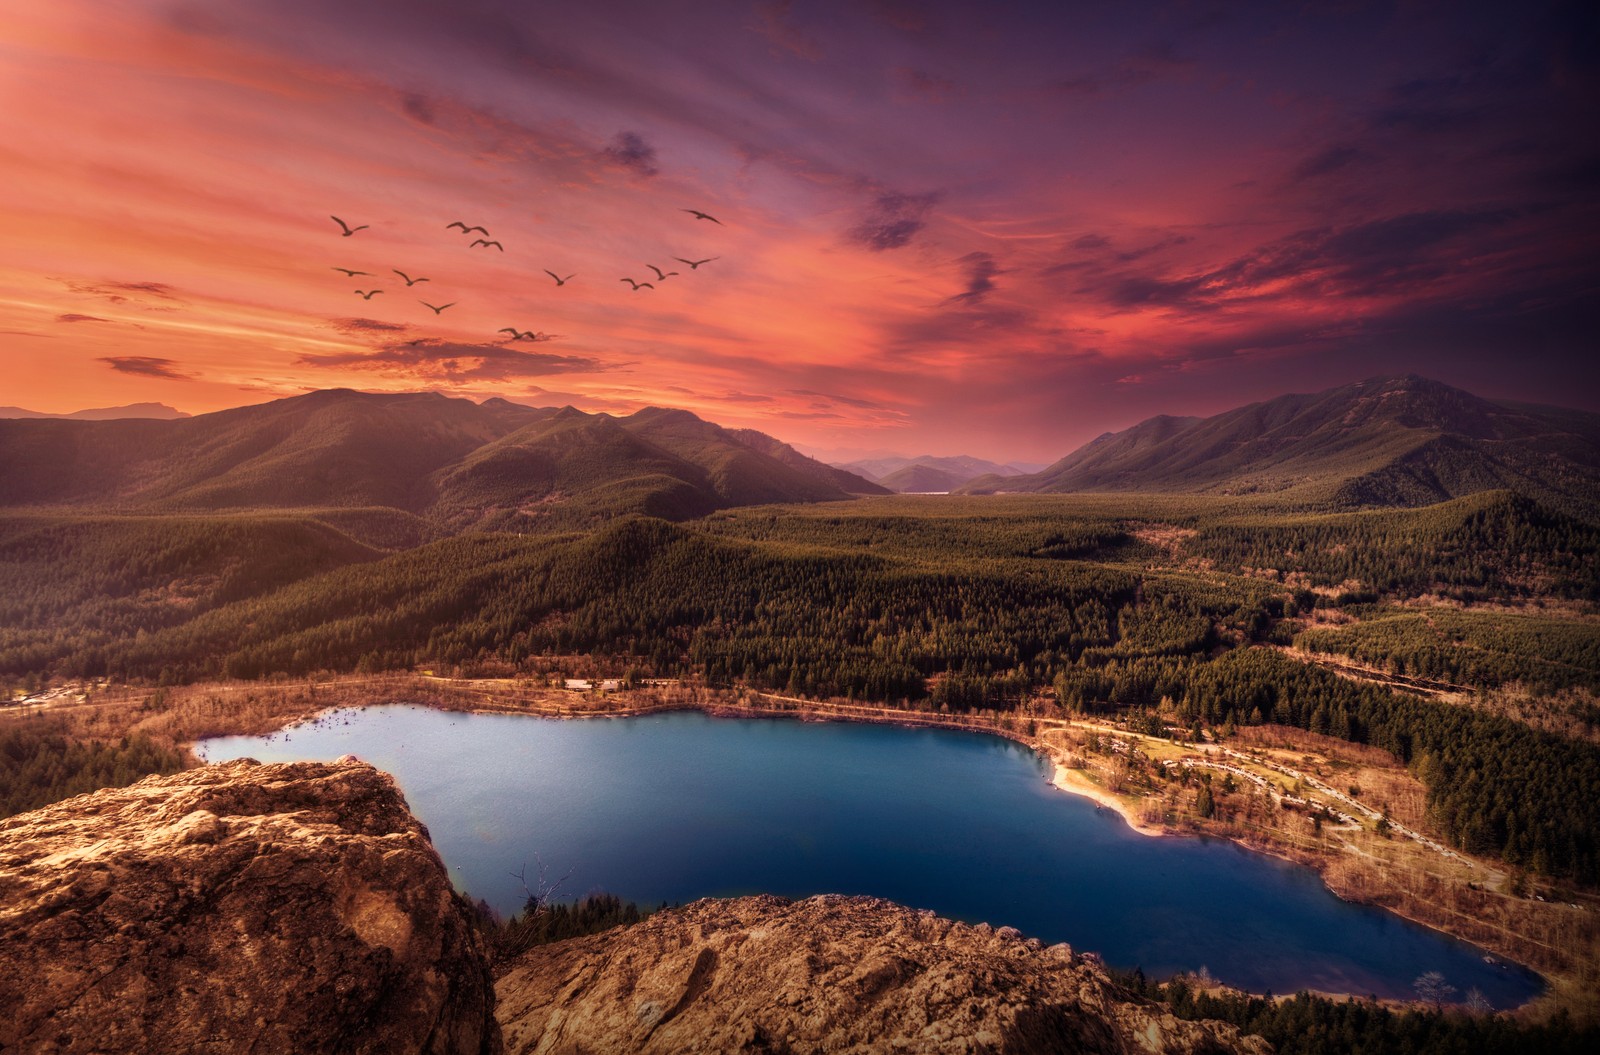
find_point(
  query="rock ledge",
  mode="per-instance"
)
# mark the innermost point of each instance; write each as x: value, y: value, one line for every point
x: 237, y: 907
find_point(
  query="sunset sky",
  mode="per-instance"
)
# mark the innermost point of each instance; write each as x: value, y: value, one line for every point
x: 996, y: 229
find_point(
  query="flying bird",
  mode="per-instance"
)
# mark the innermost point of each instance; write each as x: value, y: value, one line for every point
x: 351, y: 273
x: 698, y: 215
x: 661, y: 276
x: 559, y: 280
x: 467, y: 230
x: 486, y: 244
x: 369, y: 294
x: 438, y: 310
x: 637, y: 286
x: 519, y: 335
x: 348, y: 230
x: 419, y: 340
x: 694, y: 265
x: 409, y: 280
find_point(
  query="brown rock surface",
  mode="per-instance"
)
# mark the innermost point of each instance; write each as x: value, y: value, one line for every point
x: 238, y: 907
x: 827, y: 974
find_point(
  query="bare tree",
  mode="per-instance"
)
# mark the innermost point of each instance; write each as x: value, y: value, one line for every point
x: 1432, y: 988
x: 543, y: 891
x: 1477, y: 1003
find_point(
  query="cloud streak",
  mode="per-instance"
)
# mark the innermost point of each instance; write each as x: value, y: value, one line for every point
x: 432, y: 360
x: 146, y: 366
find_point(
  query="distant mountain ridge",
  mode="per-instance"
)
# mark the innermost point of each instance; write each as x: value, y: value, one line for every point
x: 131, y: 410
x: 1388, y: 441
x: 494, y: 464
x: 927, y: 473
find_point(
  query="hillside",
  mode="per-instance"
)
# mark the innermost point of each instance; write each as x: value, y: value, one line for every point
x: 1404, y: 441
x: 452, y: 460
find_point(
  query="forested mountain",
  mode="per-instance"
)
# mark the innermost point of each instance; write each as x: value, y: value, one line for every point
x: 422, y: 453
x: 1404, y: 441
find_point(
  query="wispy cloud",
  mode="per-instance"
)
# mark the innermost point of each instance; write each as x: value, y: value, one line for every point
x: 432, y: 359
x: 630, y: 151
x: 146, y: 366
x: 892, y: 220
x: 980, y: 269
x: 775, y: 21
x: 123, y: 292
x: 359, y: 326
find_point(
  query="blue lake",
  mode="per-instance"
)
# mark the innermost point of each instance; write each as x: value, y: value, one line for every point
x: 675, y: 807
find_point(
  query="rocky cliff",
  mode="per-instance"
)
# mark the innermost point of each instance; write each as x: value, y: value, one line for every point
x: 827, y: 974
x: 239, y: 907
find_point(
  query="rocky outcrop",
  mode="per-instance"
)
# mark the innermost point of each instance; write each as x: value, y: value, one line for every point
x: 238, y: 907
x: 828, y: 974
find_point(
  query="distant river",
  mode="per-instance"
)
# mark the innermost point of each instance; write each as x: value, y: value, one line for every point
x: 681, y: 806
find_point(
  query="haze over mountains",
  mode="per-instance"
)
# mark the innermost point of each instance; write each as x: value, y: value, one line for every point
x: 1401, y: 441
x: 929, y: 473
x: 131, y: 410
x: 494, y: 464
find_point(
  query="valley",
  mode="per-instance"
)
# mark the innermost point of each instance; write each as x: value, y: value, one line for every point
x: 1404, y: 697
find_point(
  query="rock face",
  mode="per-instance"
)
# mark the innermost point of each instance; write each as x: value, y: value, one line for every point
x: 239, y: 907
x: 828, y: 974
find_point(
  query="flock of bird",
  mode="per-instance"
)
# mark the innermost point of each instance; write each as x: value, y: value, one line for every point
x: 487, y: 242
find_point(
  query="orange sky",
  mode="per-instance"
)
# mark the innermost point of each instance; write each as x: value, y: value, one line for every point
x: 934, y: 237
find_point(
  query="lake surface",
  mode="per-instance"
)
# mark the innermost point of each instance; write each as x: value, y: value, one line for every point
x: 671, y: 808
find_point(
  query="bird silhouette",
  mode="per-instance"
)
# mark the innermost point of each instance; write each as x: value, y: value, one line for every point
x: 437, y: 310
x: 661, y: 276
x: 519, y: 335
x: 698, y: 215
x: 348, y: 230
x: 351, y: 273
x: 369, y: 294
x: 467, y: 230
x: 637, y: 286
x: 419, y: 340
x: 559, y: 280
x: 694, y: 265
x: 486, y: 244
x: 409, y: 280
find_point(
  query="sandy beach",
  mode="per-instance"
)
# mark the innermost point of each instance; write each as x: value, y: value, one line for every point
x: 1075, y: 782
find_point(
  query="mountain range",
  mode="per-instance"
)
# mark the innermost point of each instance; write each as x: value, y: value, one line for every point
x: 929, y: 473
x: 490, y: 464
x: 1392, y: 441
x: 1399, y: 441
x: 131, y: 410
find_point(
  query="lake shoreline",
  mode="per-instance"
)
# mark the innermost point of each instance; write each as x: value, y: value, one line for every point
x: 903, y: 794
x: 191, y: 713
x: 488, y: 696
